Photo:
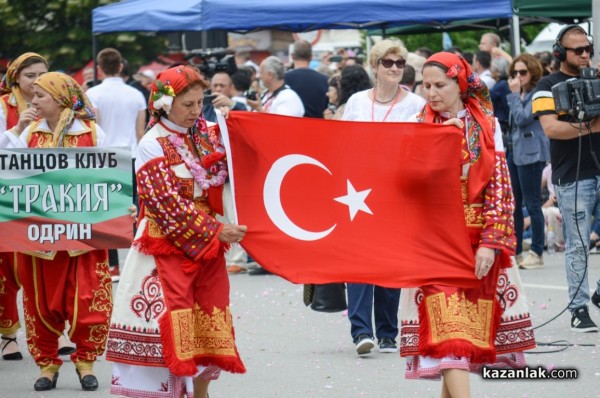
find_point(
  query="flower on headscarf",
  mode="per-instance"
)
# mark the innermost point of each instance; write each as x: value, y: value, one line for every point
x: 453, y: 71
x: 162, y: 98
x: 475, y: 83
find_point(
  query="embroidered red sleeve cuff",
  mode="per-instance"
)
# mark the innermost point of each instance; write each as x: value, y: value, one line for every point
x: 191, y: 230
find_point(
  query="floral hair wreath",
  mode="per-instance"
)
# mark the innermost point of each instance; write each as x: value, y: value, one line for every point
x: 162, y: 98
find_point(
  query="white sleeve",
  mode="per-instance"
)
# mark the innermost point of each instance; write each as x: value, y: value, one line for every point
x: 148, y: 149
x: 2, y: 119
x: 289, y: 104
x: 9, y: 140
x: 5, y: 139
x: 142, y: 105
x: 498, y: 137
x: 100, y: 136
x: 349, y: 109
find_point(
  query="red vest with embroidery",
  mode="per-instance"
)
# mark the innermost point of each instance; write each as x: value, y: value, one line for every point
x: 43, y: 138
x: 11, y: 112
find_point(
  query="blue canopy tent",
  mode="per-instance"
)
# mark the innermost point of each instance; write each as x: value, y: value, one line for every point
x: 291, y: 15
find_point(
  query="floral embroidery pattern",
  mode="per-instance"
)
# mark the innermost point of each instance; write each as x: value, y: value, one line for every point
x: 150, y: 303
x: 419, y: 297
x: 30, y: 330
x: 498, y: 208
x: 197, y: 332
x: 102, y: 301
x: 506, y: 292
x: 455, y: 316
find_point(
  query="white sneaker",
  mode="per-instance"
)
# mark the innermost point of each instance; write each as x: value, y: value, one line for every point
x: 365, y: 344
x: 532, y: 261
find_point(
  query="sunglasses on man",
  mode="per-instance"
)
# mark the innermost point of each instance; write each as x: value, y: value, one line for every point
x: 579, y: 50
x: 387, y: 63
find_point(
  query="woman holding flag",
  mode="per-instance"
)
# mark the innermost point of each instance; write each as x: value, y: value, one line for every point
x: 172, y: 329
x: 449, y: 331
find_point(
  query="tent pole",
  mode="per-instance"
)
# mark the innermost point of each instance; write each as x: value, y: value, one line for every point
x: 94, y: 52
x: 595, y: 17
x: 515, y: 36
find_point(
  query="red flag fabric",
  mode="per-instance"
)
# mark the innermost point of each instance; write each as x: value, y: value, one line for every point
x: 335, y: 201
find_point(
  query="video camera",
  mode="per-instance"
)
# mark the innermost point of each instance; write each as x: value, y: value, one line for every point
x: 579, y: 97
x: 213, y: 61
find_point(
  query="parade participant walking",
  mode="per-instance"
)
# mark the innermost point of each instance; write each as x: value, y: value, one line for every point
x: 16, y: 90
x: 172, y: 329
x: 63, y: 286
x: 386, y: 102
x: 489, y: 324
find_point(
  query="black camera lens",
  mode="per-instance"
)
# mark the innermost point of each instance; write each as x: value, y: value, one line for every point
x: 251, y: 95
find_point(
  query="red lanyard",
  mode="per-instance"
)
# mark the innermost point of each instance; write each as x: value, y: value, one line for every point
x: 388, y: 111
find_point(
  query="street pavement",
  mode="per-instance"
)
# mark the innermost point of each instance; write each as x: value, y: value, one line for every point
x: 291, y: 351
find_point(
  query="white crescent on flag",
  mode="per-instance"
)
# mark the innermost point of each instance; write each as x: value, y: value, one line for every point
x: 272, y: 197
x: 355, y: 200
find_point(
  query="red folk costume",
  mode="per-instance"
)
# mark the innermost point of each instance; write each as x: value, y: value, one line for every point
x: 62, y: 286
x: 172, y: 320
x: 12, y: 104
x: 446, y: 327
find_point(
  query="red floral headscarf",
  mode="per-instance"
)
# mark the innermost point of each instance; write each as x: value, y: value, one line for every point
x: 476, y: 99
x: 171, y: 82
x: 165, y: 88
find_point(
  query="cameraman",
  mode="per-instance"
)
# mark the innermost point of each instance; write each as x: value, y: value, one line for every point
x: 574, y: 51
x: 221, y: 91
x: 221, y: 88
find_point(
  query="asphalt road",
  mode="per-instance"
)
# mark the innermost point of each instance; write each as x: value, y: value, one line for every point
x: 292, y: 352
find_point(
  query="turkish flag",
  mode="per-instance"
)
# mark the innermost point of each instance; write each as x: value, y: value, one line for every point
x: 336, y: 201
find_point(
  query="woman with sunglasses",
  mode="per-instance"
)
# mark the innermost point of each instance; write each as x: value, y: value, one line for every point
x: 385, y: 102
x: 529, y: 150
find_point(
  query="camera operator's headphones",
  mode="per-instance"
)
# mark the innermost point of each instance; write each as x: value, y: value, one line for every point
x: 557, y: 48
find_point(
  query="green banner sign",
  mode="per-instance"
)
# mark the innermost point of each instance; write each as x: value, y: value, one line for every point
x: 65, y: 199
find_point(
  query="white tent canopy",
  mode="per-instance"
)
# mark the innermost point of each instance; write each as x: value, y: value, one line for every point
x: 547, y: 36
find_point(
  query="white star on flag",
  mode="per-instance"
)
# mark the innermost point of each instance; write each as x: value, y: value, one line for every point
x: 355, y: 200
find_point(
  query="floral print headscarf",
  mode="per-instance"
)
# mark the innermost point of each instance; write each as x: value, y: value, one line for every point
x: 480, y: 123
x: 67, y: 92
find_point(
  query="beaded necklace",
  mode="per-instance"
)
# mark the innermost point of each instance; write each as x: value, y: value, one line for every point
x: 396, y: 98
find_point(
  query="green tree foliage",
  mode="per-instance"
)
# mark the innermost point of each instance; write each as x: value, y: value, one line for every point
x: 61, y: 31
x: 467, y: 40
